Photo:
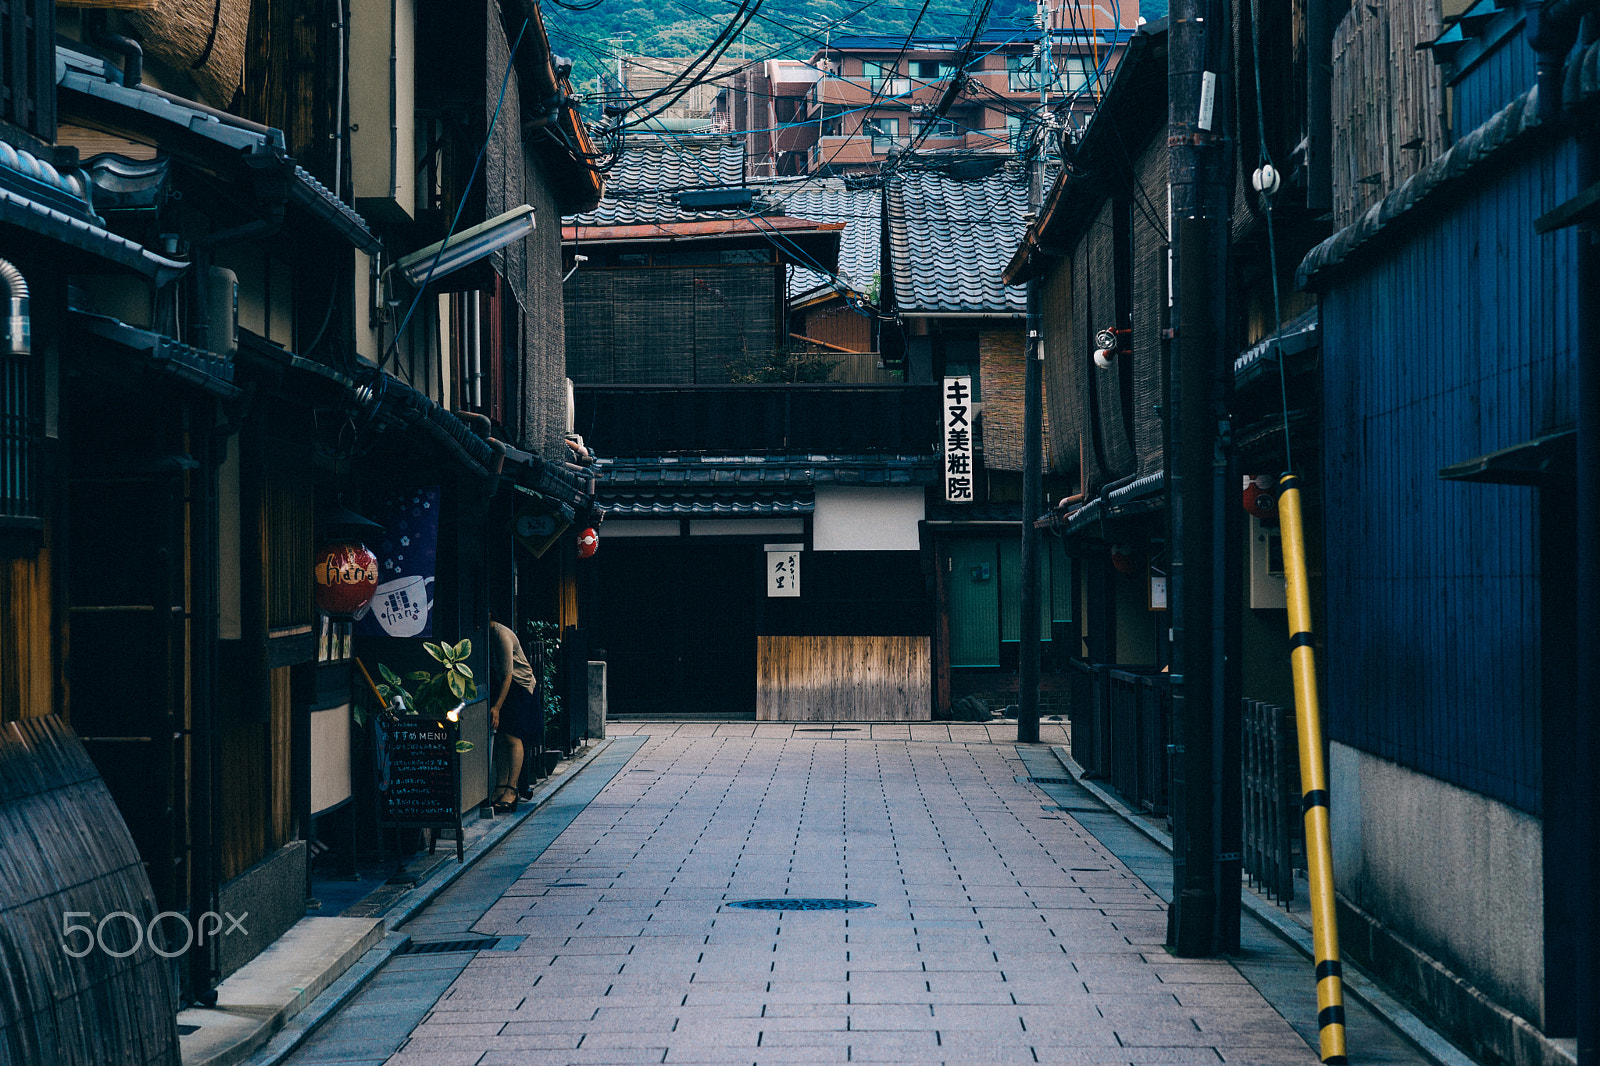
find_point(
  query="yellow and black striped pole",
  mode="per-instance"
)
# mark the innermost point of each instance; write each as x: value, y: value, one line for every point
x: 1313, y: 776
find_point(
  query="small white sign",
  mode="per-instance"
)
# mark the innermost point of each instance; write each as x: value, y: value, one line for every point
x: 783, y: 573
x: 958, y: 452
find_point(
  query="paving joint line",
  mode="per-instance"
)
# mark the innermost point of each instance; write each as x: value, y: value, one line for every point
x: 1356, y: 981
x: 288, y: 1039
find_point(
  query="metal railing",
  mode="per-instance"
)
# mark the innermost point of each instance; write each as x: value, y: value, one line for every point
x: 1084, y: 716
x: 1121, y: 729
x: 1273, y: 836
x: 1137, y: 708
x: 1120, y: 715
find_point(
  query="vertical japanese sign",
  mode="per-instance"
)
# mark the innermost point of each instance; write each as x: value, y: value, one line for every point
x: 783, y: 569
x: 958, y: 439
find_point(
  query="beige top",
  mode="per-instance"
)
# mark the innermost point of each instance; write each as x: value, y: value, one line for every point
x: 504, y: 648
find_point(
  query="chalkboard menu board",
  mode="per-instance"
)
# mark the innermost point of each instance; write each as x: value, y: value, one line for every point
x: 419, y: 774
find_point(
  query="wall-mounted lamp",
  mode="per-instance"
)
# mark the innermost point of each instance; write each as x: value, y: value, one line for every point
x: 1265, y: 180
x: 577, y: 261
x: 464, y: 248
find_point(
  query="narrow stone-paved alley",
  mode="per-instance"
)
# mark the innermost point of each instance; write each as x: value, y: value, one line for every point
x: 997, y: 928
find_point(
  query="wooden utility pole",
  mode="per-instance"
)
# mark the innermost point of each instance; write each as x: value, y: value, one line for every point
x: 1206, y: 787
x: 1032, y: 428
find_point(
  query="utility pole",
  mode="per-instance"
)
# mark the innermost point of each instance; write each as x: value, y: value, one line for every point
x: 1585, y: 740
x: 1032, y: 428
x: 1206, y: 787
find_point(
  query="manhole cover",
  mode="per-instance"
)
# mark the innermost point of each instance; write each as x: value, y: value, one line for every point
x: 801, y: 904
x: 441, y: 947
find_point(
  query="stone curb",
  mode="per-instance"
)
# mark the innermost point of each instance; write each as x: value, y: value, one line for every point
x: 297, y: 1029
x: 1356, y: 982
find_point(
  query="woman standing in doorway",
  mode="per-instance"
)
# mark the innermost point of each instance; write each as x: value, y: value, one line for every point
x: 513, y: 712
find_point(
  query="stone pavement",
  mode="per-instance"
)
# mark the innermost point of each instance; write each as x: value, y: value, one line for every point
x: 1001, y: 930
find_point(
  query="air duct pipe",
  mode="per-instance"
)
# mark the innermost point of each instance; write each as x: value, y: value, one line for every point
x: 18, y: 340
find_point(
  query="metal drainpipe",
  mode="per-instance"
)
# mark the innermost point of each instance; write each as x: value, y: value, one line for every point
x: 1553, y: 29
x: 394, y: 99
x: 130, y: 50
x: 205, y: 867
x: 338, y: 107
x: 18, y: 336
x: 474, y: 325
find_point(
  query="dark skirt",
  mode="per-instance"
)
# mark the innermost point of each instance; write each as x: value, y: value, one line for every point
x: 520, y: 714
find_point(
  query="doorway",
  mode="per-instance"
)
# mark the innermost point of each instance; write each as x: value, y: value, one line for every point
x: 678, y: 622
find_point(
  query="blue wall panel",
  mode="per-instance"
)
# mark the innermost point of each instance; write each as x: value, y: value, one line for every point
x: 1493, y: 81
x: 1457, y: 339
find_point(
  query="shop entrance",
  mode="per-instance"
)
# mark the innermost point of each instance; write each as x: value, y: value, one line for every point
x: 678, y: 622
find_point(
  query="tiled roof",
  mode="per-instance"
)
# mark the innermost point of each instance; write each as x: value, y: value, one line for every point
x: 703, y: 504
x: 861, y: 210
x: 949, y: 242
x: 639, y: 189
x: 86, y: 75
x: 38, y: 198
x: 734, y: 472
x: 701, y: 227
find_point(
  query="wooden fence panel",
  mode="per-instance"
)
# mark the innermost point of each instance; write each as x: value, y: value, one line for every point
x: 843, y: 679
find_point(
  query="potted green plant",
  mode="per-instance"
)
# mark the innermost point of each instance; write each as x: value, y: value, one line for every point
x: 544, y: 644
x: 440, y: 694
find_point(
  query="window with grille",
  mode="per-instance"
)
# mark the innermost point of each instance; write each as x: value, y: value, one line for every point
x: 28, y: 66
x: 485, y: 338
x: 20, y: 432
x: 287, y: 529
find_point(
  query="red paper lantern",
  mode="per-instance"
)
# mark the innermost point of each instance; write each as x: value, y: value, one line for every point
x: 588, y: 542
x: 1122, y: 559
x: 1259, y: 500
x: 347, y: 576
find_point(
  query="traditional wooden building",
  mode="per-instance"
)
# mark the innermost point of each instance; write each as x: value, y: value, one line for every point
x: 952, y: 318
x: 730, y: 475
x: 1097, y: 254
x: 237, y: 363
x: 1457, y: 303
